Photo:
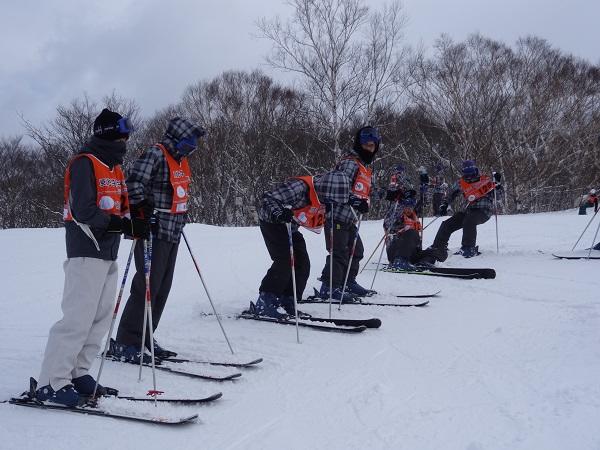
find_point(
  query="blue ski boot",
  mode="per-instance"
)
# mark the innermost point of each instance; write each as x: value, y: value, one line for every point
x: 287, y: 303
x: 267, y: 305
x: 468, y: 252
x: 337, y: 294
x: 127, y: 353
x: 354, y: 288
x: 85, y: 384
x: 401, y: 264
x: 65, y: 396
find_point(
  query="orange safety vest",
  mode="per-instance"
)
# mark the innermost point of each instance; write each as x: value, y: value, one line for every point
x: 180, y: 177
x: 410, y: 219
x: 476, y: 190
x: 311, y: 216
x: 361, y: 187
x: 111, y: 190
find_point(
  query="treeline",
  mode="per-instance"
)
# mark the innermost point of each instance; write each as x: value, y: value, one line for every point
x: 530, y: 112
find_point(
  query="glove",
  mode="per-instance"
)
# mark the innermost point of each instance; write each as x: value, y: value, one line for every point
x: 142, y: 210
x: 283, y: 215
x: 392, y: 196
x: 497, y: 177
x: 360, y: 204
x: 443, y: 209
x: 136, y: 228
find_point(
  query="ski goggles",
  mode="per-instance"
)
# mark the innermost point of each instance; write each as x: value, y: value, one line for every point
x: 187, y: 145
x: 124, y: 126
x: 369, y: 135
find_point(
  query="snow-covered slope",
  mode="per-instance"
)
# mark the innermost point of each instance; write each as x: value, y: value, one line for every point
x: 511, y: 363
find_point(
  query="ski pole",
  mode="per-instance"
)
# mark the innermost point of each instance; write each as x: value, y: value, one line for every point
x: 350, y: 261
x: 369, y: 259
x: 496, y: 214
x: 206, y: 290
x: 584, y: 230
x: 293, y: 266
x: 147, y: 267
x: 331, y: 260
x: 385, y: 236
x: 114, y: 317
x: 148, y: 319
x: 434, y: 219
x: 592, y: 246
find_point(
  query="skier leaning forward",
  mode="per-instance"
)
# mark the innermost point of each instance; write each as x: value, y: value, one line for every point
x: 299, y: 201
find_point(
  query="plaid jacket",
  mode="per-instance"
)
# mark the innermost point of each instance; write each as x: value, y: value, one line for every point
x: 330, y: 187
x: 148, y: 179
x: 343, y: 213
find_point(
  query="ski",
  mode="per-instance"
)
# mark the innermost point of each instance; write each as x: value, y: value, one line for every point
x: 181, y: 369
x: 304, y: 323
x: 435, y: 294
x: 318, y: 300
x: 230, y: 361
x: 181, y: 401
x: 96, y: 411
x: 579, y: 254
x: 369, y: 323
x: 448, y: 272
x: 27, y: 399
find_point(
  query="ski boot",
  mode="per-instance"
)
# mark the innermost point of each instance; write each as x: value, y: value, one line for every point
x: 401, y: 264
x: 160, y: 352
x: 85, y: 385
x: 354, y: 288
x: 287, y: 303
x: 337, y: 294
x: 432, y: 254
x: 267, y: 305
x: 468, y: 252
x: 65, y: 396
x: 126, y: 353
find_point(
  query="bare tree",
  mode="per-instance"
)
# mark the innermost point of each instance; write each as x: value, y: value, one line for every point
x: 345, y: 74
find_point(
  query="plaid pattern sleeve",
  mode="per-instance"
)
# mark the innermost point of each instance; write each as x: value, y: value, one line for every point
x: 343, y: 213
x: 149, y: 179
x: 292, y: 192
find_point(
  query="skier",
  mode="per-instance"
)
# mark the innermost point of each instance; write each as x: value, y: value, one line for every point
x: 478, y: 193
x: 402, y: 226
x: 356, y: 165
x: 588, y: 201
x: 96, y: 213
x: 158, y: 186
x: 439, y: 188
x: 300, y: 201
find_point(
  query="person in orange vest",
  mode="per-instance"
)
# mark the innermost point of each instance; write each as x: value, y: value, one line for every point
x: 158, y: 185
x: 96, y: 213
x: 478, y: 194
x: 588, y: 201
x: 302, y: 202
x: 402, y: 226
x: 356, y: 164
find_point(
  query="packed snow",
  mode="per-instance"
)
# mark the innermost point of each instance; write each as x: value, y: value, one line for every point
x: 510, y: 363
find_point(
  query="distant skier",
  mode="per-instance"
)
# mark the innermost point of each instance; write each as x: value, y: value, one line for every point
x: 402, y: 226
x: 96, y: 212
x: 588, y: 201
x: 477, y: 191
x: 439, y: 189
x: 158, y: 184
x: 300, y: 201
x: 356, y: 165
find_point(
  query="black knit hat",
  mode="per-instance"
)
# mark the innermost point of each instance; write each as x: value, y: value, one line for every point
x: 106, y: 126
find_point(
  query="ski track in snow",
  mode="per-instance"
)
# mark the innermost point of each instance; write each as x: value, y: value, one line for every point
x: 489, y: 364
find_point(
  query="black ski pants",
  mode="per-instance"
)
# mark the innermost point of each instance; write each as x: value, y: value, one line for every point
x: 164, y: 256
x: 405, y: 245
x: 278, y: 279
x: 468, y: 221
x: 343, y: 239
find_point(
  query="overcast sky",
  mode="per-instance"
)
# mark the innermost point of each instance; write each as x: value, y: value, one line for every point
x: 52, y: 51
